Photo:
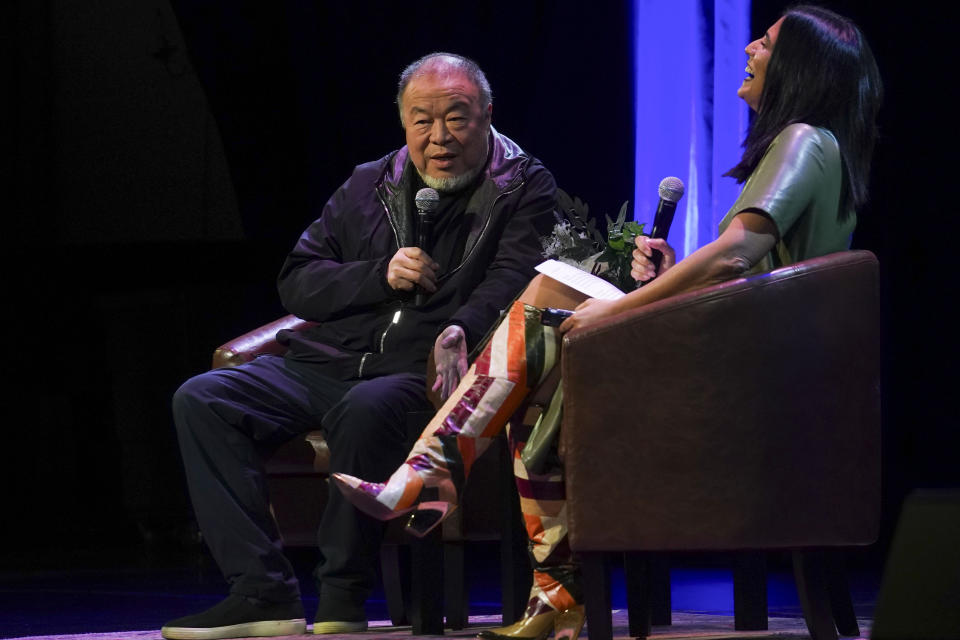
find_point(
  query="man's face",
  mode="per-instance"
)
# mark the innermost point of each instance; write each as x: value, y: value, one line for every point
x: 446, y: 126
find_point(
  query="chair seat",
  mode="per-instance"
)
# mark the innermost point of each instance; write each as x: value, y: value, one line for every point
x: 308, y: 455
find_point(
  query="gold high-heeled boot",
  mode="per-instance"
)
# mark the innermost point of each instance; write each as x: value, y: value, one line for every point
x: 568, y: 624
x: 538, y: 623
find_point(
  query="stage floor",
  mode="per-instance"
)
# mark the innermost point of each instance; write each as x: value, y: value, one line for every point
x: 127, y: 593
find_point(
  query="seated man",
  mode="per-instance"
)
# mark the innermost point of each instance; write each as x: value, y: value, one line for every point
x: 362, y: 368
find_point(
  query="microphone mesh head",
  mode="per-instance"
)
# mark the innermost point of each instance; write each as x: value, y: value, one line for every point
x: 427, y: 200
x: 671, y: 189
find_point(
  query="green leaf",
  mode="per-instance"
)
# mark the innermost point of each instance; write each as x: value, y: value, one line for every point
x: 577, y: 238
x: 622, y: 215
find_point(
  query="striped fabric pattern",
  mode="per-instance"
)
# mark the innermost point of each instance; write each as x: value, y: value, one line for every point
x: 518, y: 358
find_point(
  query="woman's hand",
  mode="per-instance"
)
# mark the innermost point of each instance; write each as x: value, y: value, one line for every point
x: 641, y: 267
x: 588, y: 312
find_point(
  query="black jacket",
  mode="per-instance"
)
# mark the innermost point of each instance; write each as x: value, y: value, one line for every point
x: 336, y: 274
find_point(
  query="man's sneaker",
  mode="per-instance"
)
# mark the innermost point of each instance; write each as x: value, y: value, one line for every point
x: 339, y: 626
x: 339, y: 610
x: 238, y: 617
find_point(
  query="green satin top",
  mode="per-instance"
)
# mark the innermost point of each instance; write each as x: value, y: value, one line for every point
x: 798, y: 184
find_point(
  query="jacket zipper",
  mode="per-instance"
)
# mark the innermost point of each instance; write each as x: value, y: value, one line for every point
x: 383, y: 336
x: 486, y: 226
x: 386, y: 210
x: 396, y: 315
x: 363, y: 359
x: 395, y: 320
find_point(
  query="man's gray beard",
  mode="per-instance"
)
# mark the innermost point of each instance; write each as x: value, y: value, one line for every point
x: 456, y: 183
x: 453, y: 183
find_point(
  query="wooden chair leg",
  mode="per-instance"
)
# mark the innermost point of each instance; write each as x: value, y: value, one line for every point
x: 425, y: 609
x: 661, y: 605
x: 647, y: 577
x: 596, y: 588
x: 516, y: 576
x: 638, y: 576
x: 395, y: 568
x: 810, y: 576
x: 426, y: 572
x: 455, y: 588
x: 839, y: 590
x: 750, y: 591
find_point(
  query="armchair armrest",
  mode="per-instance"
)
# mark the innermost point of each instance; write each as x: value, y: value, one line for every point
x: 254, y: 343
x: 263, y: 340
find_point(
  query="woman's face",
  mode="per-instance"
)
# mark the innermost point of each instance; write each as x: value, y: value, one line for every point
x: 758, y: 55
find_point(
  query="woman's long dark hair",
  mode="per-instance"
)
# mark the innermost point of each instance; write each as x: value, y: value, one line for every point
x: 822, y: 73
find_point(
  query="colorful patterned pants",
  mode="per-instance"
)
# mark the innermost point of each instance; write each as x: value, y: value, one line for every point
x: 514, y: 364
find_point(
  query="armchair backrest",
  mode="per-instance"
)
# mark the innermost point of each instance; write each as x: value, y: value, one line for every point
x: 743, y: 415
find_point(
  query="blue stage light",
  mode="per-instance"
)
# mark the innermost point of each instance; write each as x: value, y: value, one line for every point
x: 688, y: 62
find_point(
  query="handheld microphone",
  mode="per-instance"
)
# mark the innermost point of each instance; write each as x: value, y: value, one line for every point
x: 427, y: 201
x: 671, y: 190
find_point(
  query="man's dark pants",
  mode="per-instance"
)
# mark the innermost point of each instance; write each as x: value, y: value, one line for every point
x: 230, y: 420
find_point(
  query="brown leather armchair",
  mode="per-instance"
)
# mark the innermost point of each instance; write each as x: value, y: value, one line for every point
x: 744, y: 416
x: 297, y: 478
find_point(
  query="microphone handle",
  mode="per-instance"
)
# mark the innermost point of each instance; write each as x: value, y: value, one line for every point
x: 424, y: 233
x: 661, y: 228
x: 656, y: 257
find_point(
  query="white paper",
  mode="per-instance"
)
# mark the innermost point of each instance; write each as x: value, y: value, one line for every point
x: 580, y: 280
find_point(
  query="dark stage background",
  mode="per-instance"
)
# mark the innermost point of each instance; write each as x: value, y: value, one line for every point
x: 162, y: 157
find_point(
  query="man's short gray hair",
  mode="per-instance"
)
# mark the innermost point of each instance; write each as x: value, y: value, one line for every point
x: 449, y: 61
